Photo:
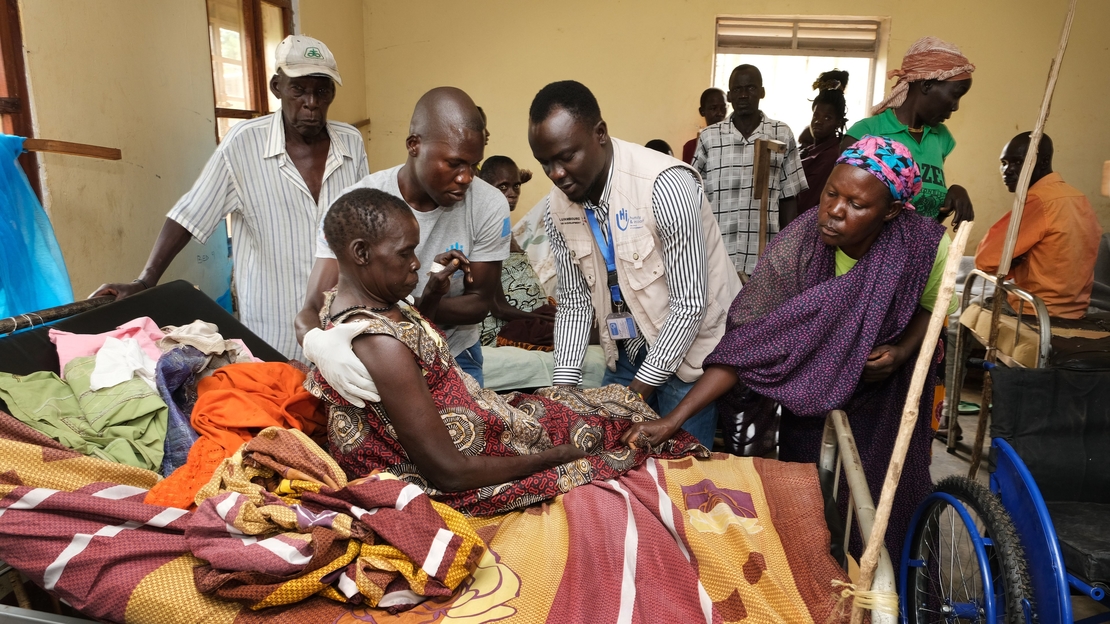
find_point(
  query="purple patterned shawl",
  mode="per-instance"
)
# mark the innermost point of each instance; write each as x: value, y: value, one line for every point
x: 799, y: 335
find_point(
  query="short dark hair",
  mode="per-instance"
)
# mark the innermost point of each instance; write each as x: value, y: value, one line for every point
x: 748, y: 68
x: 494, y: 164
x: 708, y: 92
x: 660, y: 146
x: 569, y: 95
x: 361, y: 213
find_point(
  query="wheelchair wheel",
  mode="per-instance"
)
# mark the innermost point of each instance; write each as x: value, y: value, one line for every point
x: 963, y: 561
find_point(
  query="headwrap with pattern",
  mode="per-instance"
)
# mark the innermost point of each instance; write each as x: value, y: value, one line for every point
x: 929, y: 58
x: 890, y: 162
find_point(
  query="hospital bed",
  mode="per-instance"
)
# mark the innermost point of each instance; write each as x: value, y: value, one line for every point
x: 839, y: 469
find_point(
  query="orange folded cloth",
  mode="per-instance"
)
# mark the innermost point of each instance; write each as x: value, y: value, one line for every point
x: 233, y: 405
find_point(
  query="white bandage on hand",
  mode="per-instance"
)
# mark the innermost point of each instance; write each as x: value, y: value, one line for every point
x: 436, y: 268
x: 331, y: 352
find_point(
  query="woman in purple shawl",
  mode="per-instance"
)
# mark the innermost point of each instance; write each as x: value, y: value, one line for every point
x: 836, y: 307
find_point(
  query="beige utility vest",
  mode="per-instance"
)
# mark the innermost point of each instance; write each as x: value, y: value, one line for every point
x: 640, y: 269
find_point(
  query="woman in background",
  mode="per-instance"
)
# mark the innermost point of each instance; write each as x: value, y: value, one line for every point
x: 820, y: 141
x: 521, y: 293
x: 933, y: 77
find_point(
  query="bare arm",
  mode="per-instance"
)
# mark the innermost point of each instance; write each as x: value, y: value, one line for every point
x: 324, y: 276
x: 502, y: 309
x: 421, y: 431
x: 171, y: 240
x: 846, y: 142
x: 474, y: 304
x: 886, y: 359
x: 714, y: 382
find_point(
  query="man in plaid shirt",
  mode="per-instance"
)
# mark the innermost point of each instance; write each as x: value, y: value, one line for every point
x: 725, y: 159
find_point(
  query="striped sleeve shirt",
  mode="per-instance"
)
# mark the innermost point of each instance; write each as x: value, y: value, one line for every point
x: 273, y: 217
x: 676, y: 205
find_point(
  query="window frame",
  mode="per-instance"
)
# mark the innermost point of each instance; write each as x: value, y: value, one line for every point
x: 876, y: 79
x: 258, y: 83
x: 17, y: 107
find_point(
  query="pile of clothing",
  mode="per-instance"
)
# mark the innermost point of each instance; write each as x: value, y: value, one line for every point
x: 173, y: 400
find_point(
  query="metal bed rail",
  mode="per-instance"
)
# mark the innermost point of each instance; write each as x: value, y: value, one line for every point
x: 839, y: 452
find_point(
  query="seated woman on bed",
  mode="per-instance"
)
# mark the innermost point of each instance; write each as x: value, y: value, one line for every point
x: 470, y: 448
x: 834, y: 311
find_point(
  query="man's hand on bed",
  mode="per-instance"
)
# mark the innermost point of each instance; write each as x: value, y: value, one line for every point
x: 882, y: 361
x: 331, y: 352
x: 650, y: 433
x: 119, y: 291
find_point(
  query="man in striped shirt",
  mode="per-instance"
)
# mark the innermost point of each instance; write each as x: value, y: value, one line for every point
x: 636, y: 248
x: 276, y: 176
x: 725, y: 158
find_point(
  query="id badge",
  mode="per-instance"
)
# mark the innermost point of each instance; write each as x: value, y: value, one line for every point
x: 621, y: 326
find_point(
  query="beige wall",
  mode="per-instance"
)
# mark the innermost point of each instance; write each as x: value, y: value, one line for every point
x: 339, y: 24
x: 130, y: 74
x: 136, y: 74
x: 648, y: 61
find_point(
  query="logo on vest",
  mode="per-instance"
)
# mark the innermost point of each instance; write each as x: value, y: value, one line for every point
x: 622, y: 219
x: 457, y: 246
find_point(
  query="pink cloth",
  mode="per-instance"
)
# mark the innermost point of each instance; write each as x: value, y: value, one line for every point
x: 144, y: 330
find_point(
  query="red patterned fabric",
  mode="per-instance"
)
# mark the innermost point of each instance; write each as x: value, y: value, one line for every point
x: 482, y: 422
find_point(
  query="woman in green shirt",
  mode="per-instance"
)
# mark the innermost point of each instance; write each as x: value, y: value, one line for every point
x: 933, y: 77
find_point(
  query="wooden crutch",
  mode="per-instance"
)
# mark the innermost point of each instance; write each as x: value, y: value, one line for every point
x: 761, y: 182
x: 870, y: 559
x: 1011, y: 240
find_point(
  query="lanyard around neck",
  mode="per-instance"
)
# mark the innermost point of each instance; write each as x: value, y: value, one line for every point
x: 605, y: 245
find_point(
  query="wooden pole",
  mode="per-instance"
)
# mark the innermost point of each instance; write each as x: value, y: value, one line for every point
x: 71, y: 149
x: 42, y: 317
x: 870, y: 559
x: 1011, y: 240
x: 761, y: 181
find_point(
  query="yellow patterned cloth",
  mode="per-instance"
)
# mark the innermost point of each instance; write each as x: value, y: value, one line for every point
x: 726, y: 539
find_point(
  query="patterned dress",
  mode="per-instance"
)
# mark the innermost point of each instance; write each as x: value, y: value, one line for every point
x: 481, y: 422
x: 522, y: 289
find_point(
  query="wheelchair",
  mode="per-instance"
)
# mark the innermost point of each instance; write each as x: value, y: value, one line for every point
x: 1017, y: 551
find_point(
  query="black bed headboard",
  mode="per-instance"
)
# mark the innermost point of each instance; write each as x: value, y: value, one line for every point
x: 174, y: 303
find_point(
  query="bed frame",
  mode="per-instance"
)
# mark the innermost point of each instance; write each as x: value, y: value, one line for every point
x: 178, y: 303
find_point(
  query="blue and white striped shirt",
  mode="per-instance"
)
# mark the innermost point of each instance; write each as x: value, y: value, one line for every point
x: 676, y: 204
x: 273, y: 217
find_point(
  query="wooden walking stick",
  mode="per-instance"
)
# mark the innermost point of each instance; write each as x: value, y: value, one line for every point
x: 761, y: 182
x: 1011, y: 240
x: 870, y: 558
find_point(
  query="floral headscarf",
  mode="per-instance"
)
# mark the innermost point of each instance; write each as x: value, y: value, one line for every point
x: 890, y: 162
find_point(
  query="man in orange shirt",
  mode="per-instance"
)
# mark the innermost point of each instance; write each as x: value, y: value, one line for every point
x: 1057, y: 244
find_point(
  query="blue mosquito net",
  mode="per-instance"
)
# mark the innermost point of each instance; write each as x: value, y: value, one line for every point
x: 33, y: 274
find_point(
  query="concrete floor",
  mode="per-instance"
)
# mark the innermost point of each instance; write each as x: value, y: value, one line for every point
x: 946, y: 464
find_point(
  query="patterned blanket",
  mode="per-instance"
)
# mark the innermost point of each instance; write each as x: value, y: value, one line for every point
x: 279, y: 535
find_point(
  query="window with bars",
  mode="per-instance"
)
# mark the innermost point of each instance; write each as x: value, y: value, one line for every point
x: 244, y: 35
x: 15, y: 108
x: 791, y: 51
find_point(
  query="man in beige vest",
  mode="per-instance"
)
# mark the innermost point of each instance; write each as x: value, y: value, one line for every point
x: 636, y: 248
